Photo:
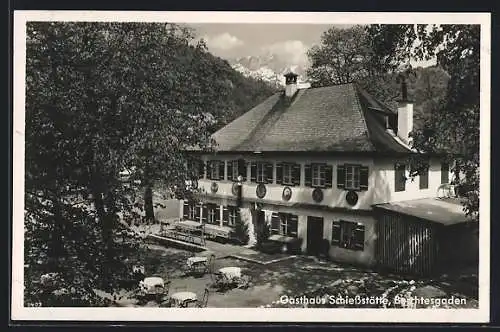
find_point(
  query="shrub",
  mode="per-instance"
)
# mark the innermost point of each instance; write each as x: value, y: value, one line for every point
x: 241, y: 232
x: 263, y: 233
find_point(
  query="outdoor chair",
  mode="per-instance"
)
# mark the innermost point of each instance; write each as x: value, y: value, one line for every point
x: 204, y: 300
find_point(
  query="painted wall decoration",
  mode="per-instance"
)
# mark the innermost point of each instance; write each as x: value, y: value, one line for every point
x: 214, y: 187
x: 317, y: 195
x: 261, y: 190
x: 234, y: 189
x: 287, y: 193
x: 351, y: 198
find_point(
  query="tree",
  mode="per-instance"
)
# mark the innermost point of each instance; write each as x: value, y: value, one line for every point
x: 344, y: 56
x: 102, y: 98
x: 453, y: 127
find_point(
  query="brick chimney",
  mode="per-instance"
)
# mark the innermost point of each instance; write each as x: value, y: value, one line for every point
x: 290, y: 84
x: 405, y: 114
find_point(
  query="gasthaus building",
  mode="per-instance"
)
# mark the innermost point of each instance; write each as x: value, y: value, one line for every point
x: 325, y: 168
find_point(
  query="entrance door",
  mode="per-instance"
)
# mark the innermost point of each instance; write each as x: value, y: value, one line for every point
x: 314, y: 235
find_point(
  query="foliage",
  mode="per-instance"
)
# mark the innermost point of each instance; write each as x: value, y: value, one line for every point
x: 446, y: 96
x: 103, y: 98
x: 344, y: 56
x: 241, y: 231
x: 453, y: 127
x: 263, y: 233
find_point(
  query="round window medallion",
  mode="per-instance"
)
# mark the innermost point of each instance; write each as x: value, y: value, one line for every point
x: 234, y: 189
x: 317, y: 195
x: 261, y: 190
x: 214, y: 187
x: 351, y: 198
x: 287, y: 193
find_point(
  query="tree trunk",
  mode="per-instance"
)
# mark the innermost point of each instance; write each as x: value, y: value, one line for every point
x: 148, y: 203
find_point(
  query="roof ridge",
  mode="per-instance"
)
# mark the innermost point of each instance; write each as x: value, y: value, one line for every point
x: 356, y: 102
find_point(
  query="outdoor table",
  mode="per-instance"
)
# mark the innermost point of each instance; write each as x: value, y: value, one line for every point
x: 231, y: 272
x: 196, y: 260
x: 182, y: 299
x: 151, y: 285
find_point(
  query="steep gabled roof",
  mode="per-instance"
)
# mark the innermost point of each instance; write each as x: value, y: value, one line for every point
x: 340, y: 118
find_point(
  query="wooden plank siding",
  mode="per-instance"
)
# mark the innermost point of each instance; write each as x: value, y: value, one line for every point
x: 406, y: 244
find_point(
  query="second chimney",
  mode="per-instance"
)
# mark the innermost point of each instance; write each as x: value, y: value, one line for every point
x: 290, y: 84
x: 405, y: 114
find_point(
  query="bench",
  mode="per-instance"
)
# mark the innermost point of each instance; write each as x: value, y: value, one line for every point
x: 186, y: 237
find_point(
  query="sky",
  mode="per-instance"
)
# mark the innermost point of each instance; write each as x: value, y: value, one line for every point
x: 291, y: 41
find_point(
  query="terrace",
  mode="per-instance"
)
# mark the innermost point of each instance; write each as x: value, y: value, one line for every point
x: 272, y: 277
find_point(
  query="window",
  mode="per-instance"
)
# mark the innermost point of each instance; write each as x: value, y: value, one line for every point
x: 233, y: 215
x: 352, y: 177
x: 261, y: 172
x: 318, y: 175
x: 285, y: 224
x: 213, y: 214
x: 234, y: 170
x: 214, y: 170
x: 191, y: 211
x: 445, y: 173
x: 348, y: 235
x: 424, y: 177
x: 400, y: 177
x: 287, y: 174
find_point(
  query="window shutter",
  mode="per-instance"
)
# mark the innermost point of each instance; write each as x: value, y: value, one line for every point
x: 222, y: 167
x: 204, y: 214
x: 230, y: 170
x: 359, y: 237
x: 363, y: 178
x: 328, y: 176
x: 424, y: 178
x: 201, y: 169
x: 217, y: 213
x: 225, y: 216
x: 275, y: 223
x: 209, y: 169
x: 279, y: 173
x: 296, y: 174
x: 242, y: 169
x: 293, y: 224
x: 336, y: 233
x: 269, y: 172
x: 400, y: 179
x: 308, y: 175
x: 340, y: 176
x: 185, y: 210
x: 253, y: 171
x: 196, y: 212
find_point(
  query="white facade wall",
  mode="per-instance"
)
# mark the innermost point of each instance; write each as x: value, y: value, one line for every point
x: 381, y: 189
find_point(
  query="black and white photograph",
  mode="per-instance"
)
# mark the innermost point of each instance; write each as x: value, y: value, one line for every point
x: 251, y: 166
